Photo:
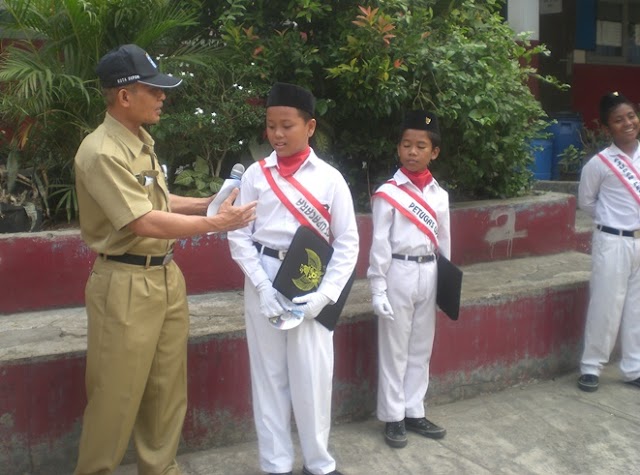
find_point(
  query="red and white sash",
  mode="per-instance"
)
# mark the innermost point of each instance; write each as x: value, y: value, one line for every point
x: 625, y: 172
x: 412, y: 206
x: 297, y: 199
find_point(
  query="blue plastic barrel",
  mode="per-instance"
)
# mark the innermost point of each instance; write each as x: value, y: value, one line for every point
x: 542, y: 154
x: 566, y: 131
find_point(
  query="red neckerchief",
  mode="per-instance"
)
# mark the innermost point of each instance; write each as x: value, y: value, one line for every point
x: 420, y: 179
x: 287, y: 166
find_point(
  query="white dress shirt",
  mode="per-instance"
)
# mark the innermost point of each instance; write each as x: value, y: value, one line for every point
x: 275, y: 226
x: 396, y: 234
x: 604, y: 197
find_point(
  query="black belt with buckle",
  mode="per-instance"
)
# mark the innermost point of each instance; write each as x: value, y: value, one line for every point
x: 618, y: 232
x: 136, y: 260
x: 418, y: 259
x: 267, y: 251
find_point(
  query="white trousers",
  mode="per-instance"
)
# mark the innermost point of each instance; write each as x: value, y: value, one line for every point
x: 405, y: 344
x: 614, y: 305
x: 289, y: 368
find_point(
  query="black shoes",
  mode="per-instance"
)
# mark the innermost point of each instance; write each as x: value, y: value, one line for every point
x: 307, y: 472
x: 424, y: 427
x: 589, y: 382
x: 395, y: 434
x: 635, y: 382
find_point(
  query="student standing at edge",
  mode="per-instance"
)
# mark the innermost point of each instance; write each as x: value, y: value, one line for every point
x: 410, y: 227
x: 609, y: 192
x: 292, y: 367
x: 138, y: 320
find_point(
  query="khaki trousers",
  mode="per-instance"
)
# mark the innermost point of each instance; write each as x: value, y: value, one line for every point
x: 136, y: 374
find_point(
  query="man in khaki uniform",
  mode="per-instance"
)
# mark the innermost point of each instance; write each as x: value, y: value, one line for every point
x: 138, y: 320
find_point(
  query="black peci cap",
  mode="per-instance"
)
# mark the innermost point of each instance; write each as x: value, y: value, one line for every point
x: 127, y: 64
x: 421, y: 120
x: 610, y: 101
x: 290, y: 95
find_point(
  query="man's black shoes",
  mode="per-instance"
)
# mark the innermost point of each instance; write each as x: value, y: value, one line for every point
x: 395, y: 434
x: 307, y: 472
x: 588, y: 382
x: 635, y: 382
x: 424, y: 427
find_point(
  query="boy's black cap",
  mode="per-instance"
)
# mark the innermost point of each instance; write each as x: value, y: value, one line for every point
x: 608, y: 102
x: 127, y: 64
x: 290, y: 95
x: 421, y: 120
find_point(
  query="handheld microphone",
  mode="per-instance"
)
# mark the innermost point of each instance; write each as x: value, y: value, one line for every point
x: 227, y: 187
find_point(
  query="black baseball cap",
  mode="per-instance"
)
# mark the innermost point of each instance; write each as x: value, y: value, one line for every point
x: 127, y: 64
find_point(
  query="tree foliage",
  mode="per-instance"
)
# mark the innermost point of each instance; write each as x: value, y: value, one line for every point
x: 368, y: 61
x: 365, y: 61
x: 51, y: 95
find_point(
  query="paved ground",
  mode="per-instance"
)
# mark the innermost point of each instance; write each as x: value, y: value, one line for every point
x: 545, y: 428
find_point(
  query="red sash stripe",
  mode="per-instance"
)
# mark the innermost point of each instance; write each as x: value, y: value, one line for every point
x: 287, y: 203
x: 621, y: 177
x: 408, y: 215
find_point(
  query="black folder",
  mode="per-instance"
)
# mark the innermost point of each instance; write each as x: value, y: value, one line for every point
x: 449, y: 287
x: 302, y: 271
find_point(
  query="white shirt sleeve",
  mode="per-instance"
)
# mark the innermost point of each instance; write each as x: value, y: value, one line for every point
x: 589, y: 186
x: 380, y: 253
x: 346, y: 242
x: 241, y: 243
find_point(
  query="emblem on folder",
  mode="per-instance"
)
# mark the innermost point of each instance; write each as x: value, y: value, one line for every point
x: 310, y: 273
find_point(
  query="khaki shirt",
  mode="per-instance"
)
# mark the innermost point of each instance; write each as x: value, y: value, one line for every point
x: 119, y: 179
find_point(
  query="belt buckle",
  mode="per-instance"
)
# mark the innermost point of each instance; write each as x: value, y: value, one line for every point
x: 421, y: 259
x: 281, y: 254
x: 636, y: 234
x: 168, y: 258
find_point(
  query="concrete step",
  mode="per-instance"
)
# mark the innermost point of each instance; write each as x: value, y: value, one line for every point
x: 548, y: 427
x: 520, y: 320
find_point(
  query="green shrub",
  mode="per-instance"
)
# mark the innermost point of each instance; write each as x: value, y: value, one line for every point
x: 50, y: 94
x: 366, y: 62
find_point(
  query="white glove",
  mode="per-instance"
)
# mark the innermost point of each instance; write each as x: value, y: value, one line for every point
x: 269, y: 305
x: 313, y: 304
x: 381, y: 306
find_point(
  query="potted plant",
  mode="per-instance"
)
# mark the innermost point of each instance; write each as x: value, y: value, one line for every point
x: 573, y: 159
x: 21, y: 200
x: 570, y: 163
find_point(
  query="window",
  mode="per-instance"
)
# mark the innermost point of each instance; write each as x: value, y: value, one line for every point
x: 617, y: 32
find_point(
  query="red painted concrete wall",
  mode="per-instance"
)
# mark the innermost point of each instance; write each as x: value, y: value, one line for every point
x: 496, y: 345
x: 48, y: 270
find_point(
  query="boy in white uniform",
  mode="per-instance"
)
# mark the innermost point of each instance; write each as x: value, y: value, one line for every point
x: 410, y: 228
x: 609, y: 192
x: 292, y: 368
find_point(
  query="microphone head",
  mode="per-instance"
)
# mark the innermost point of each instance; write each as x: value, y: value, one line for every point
x: 237, y: 170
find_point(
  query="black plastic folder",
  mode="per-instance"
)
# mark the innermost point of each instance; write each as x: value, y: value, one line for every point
x: 302, y: 271
x: 449, y: 287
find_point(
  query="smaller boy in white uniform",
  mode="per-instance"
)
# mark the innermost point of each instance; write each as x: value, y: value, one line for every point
x: 410, y: 228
